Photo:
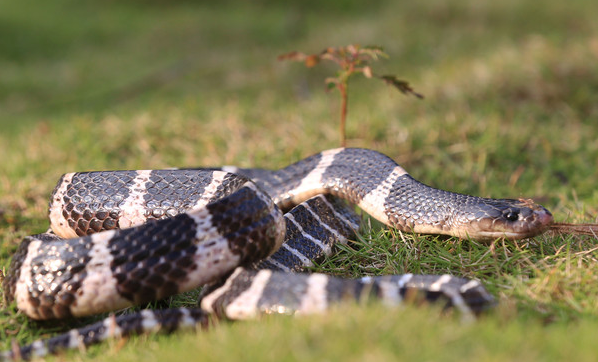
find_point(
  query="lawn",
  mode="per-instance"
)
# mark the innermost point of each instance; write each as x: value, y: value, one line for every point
x: 510, y: 110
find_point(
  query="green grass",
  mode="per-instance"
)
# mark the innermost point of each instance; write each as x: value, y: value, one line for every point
x: 510, y: 111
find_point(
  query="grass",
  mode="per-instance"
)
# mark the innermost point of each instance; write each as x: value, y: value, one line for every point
x: 511, y: 103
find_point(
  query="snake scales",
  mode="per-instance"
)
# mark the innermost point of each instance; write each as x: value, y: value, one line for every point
x: 137, y: 236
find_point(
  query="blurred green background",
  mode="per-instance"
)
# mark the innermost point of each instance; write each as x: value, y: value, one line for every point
x: 76, y: 57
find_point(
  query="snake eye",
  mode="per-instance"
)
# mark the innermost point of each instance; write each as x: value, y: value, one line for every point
x: 512, y: 215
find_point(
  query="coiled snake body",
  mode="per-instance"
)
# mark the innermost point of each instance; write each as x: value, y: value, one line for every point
x: 136, y: 236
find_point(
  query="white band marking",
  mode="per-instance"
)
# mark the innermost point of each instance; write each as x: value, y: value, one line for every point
x: 25, y: 283
x: 372, y: 200
x: 207, y: 303
x: 306, y: 189
x: 211, y: 189
x: 98, y: 291
x: 437, y: 285
x: 325, y: 248
x: 341, y: 239
x: 246, y: 304
x: 314, y: 300
x: 277, y: 264
x: 133, y: 209
x: 351, y: 224
x: 58, y: 223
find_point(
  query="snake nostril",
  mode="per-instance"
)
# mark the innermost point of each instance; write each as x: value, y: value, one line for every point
x: 512, y: 215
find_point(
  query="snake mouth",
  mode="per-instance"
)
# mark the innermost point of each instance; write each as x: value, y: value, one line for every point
x: 521, y: 219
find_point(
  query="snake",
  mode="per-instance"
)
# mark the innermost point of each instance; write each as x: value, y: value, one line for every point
x: 124, y: 238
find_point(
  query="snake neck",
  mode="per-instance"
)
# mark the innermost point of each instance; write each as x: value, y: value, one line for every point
x: 387, y: 192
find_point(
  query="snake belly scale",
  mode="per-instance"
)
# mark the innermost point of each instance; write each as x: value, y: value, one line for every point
x: 122, y: 238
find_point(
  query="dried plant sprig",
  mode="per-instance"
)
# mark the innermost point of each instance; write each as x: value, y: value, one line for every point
x: 351, y: 59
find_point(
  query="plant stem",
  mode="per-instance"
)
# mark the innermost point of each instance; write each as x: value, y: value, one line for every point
x: 344, y: 99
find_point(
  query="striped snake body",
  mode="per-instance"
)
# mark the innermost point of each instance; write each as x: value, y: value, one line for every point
x: 121, y: 238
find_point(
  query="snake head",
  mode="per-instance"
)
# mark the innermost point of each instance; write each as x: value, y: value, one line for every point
x: 509, y: 219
